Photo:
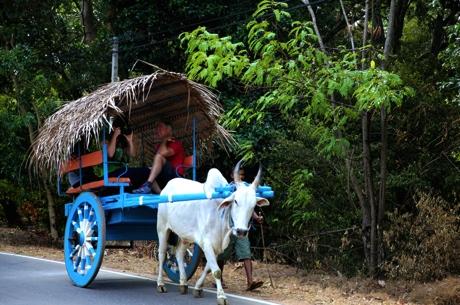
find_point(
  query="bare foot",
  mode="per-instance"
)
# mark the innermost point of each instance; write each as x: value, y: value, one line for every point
x: 254, y: 285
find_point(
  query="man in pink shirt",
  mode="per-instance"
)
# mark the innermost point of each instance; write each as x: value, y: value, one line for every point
x: 169, y: 155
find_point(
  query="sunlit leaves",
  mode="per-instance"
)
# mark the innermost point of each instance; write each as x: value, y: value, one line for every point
x: 299, y: 198
x: 322, y: 95
x: 268, y: 7
x: 211, y: 57
x: 300, y: 79
x: 451, y: 62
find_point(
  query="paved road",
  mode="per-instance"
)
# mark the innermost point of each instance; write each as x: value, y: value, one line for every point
x: 30, y: 281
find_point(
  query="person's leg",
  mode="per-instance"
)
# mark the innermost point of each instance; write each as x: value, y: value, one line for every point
x: 248, y: 268
x: 158, y: 163
x: 157, y: 167
x: 243, y: 253
x: 167, y: 173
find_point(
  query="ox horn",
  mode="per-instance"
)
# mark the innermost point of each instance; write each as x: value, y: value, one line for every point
x: 257, y: 179
x: 236, y: 172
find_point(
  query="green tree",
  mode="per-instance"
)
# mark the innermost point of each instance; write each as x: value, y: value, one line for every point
x: 325, y: 94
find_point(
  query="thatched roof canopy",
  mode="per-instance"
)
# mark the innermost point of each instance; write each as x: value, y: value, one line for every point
x: 144, y: 101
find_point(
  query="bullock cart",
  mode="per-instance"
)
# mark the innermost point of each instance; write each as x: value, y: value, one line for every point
x: 105, y: 210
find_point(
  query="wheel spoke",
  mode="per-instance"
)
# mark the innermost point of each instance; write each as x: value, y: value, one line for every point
x: 82, y: 270
x: 76, y: 226
x: 85, y: 211
x: 88, y: 260
x: 91, y: 215
x: 89, y: 228
x: 74, y: 251
x: 77, y: 261
x: 83, y: 262
x: 90, y: 248
x: 80, y: 215
x: 85, y: 226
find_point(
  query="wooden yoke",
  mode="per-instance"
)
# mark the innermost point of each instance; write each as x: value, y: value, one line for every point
x: 88, y: 160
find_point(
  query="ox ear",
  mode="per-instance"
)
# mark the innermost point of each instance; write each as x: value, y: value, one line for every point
x: 226, y: 202
x: 262, y: 202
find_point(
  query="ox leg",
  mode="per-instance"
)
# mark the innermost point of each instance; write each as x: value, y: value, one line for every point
x: 180, y: 252
x: 198, y: 291
x: 216, y: 273
x: 162, y: 246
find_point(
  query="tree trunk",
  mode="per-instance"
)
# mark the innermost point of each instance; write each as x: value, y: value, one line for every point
x: 88, y: 21
x: 448, y: 16
x: 315, y: 26
x: 378, y: 35
x: 399, y: 15
x: 49, y: 195
x: 383, y: 181
x: 51, y: 210
x: 369, y: 221
x: 398, y: 9
x: 350, y: 34
x: 354, y: 181
x: 366, y: 29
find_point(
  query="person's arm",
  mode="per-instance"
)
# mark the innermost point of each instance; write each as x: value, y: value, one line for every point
x: 257, y: 217
x: 165, y: 150
x: 112, y: 146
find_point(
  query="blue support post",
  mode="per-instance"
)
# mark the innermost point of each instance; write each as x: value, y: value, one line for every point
x: 105, y: 166
x: 194, y: 150
x: 80, y: 171
x: 105, y: 163
x: 59, y: 184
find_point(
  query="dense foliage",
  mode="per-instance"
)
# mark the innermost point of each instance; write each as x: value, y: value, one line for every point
x: 321, y: 117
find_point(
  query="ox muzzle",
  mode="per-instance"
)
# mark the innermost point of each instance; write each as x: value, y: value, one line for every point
x: 240, y: 233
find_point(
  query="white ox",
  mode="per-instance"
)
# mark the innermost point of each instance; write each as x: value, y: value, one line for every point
x: 205, y: 222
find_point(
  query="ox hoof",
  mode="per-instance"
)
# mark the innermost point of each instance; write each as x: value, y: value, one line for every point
x: 198, y: 293
x: 222, y: 301
x: 183, y: 289
x: 161, y: 289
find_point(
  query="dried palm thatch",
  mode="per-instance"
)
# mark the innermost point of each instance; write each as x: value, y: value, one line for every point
x: 145, y: 100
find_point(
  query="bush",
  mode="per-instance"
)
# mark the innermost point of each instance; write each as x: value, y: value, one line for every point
x: 423, y: 245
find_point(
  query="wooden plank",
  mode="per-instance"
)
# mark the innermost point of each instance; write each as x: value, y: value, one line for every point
x: 87, y: 160
x: 94, y: 185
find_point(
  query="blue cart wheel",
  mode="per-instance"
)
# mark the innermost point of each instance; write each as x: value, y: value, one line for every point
x: 191, y: 260
x: 84, y: 239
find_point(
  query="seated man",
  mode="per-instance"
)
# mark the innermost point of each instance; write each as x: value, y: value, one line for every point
x: 169, y: 155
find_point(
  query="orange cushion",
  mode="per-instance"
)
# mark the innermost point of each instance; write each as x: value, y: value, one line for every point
x: 188, y: 161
